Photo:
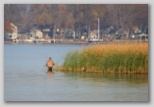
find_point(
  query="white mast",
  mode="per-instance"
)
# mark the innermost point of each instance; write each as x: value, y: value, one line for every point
x: 98, y: 29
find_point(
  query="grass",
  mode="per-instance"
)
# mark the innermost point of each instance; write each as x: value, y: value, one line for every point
x: 110, y: 58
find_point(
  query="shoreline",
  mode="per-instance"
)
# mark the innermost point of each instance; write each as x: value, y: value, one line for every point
x: 91, y: 70
x: 76, y: 42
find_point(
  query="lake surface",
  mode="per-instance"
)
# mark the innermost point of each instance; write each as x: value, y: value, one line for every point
x: 26, y: 78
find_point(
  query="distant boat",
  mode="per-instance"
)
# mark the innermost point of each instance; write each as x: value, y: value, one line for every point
x: 93, y: 40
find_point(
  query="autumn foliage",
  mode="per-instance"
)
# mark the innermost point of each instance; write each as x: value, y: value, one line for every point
x: 77, y: 16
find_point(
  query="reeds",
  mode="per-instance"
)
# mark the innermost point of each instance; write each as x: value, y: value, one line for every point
x: 109, y: 58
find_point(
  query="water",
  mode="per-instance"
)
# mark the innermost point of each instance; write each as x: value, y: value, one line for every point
x: 26, y: 79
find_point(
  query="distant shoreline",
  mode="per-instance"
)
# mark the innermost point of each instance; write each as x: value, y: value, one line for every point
x: 76, y: 42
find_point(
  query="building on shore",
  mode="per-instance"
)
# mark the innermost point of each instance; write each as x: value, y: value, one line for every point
x: 36, y: 33
x: 14, y: 33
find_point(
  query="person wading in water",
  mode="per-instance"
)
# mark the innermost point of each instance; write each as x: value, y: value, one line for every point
x: 50, y: 63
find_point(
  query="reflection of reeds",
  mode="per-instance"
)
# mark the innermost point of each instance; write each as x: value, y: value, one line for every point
x: 119, y: 58
x: 102, y: 77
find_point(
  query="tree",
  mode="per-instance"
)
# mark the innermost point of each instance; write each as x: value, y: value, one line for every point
x: 126, y: 15
x: 78, y: 17
x: 15, y: 12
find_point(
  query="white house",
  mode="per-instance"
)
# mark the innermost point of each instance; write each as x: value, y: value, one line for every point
x: 14, y: 34
x: 36, y: 33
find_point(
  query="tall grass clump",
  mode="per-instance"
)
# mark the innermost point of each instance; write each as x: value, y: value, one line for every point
x: 109, y: 58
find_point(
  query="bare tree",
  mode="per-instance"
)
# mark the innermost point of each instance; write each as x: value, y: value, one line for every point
x: 76, y: 16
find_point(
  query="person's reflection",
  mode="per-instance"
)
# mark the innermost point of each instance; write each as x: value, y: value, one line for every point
x: 49, y: 73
